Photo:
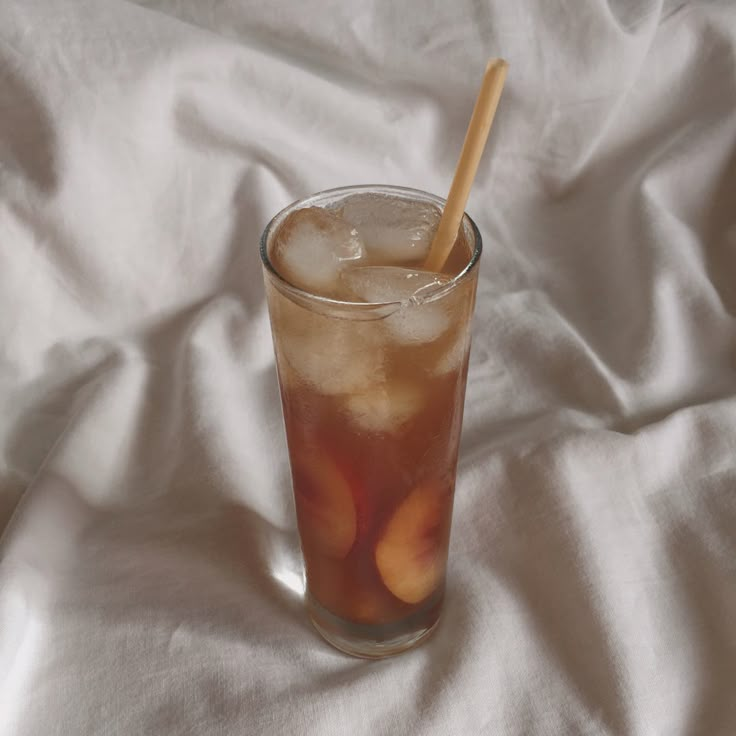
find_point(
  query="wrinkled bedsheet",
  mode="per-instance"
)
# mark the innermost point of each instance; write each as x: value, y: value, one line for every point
x: 149, y: 569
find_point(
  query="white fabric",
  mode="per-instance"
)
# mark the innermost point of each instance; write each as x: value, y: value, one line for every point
x: 149, y: 555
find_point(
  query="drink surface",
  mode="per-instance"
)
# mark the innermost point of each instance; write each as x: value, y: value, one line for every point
x: 372, y: 404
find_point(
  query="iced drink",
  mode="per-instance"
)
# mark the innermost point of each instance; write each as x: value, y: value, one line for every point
x: 372, y: 355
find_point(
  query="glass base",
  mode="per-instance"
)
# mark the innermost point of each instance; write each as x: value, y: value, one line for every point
x: 375, y: 641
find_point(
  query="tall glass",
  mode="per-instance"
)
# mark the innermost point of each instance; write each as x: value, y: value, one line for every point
x: 372, y: 396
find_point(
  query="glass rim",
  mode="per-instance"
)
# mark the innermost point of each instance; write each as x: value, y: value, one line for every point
x: 325, y: 301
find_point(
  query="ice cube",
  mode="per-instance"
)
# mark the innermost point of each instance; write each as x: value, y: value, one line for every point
x: 336, y: 358
x: 415, y: 321
x: 381, y: 284
x: 313, y: 246
x: 394, y: 230
x: 385, y: 407
x: 453, y: 356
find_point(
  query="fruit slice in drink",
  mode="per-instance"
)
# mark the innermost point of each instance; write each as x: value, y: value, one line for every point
x: 324, y: 503
x: 411, y: 552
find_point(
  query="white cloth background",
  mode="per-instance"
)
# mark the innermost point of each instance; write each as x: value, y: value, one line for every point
x: 148, y: 551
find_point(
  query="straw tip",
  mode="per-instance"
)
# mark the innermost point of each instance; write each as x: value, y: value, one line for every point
x: 497, y: 63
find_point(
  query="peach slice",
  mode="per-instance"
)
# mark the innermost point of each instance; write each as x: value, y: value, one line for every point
x: 324, y: 504
x: 412, y: 551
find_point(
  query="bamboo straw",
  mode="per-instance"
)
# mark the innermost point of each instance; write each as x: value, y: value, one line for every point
x: 467, y: 165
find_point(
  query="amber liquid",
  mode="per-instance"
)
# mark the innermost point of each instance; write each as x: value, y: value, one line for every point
x: 373, y: 465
